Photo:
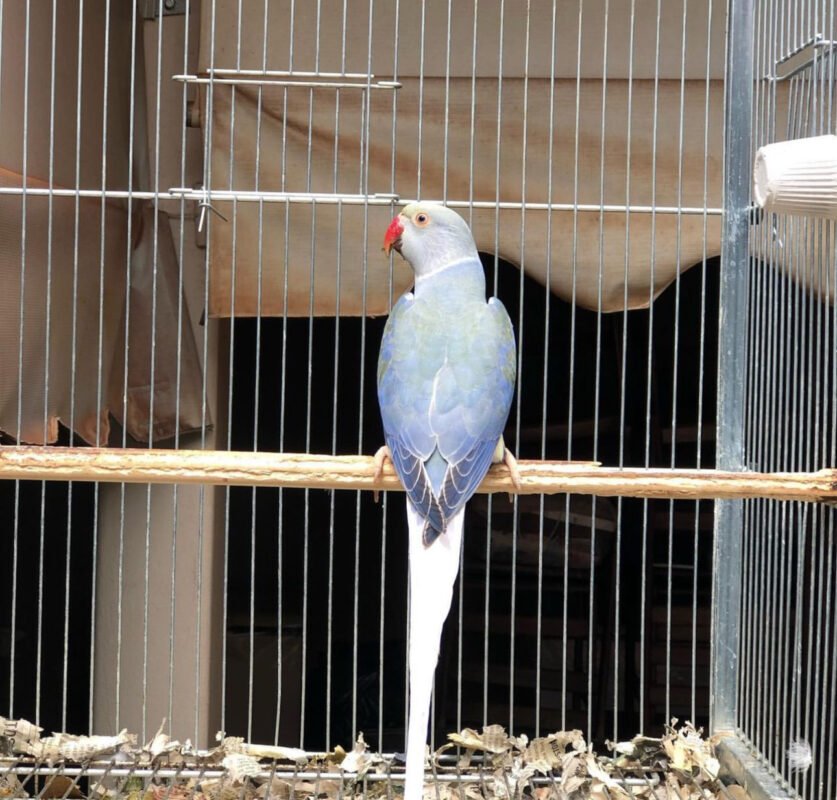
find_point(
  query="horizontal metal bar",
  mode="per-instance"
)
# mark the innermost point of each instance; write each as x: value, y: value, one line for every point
x: 284, y: 73
x: 384, y: 199
x: 308, y: 471
x: 109, y: 194
x: 742, y: 763
x: 608, y: 208
x: 284, y: 82
x: 284, y: 197
x: 802, y: 57
x: 199, y: 195
x: 103, y: 769
x: 377, y: 199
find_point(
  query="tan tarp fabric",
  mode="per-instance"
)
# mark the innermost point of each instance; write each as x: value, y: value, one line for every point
x: 64, y: 262
x: 56, y: 262
x: 164, y: 382
x: 445, y: 136
x: 56, y: 335
x: 581, y: 31
x: 159, y: 393
x: 328, y: 245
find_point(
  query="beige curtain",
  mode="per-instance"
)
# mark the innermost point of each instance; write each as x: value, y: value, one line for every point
x: 61, y: 261
x: 445, y: 145
x: 161, y: 393
x: 65, y: 262
x: 604, y: 260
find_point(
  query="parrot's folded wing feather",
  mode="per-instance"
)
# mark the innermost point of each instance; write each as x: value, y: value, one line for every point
x: 445, y: 384
x: 464, y: 477
x: 472, y: 403
x: 410, y: 468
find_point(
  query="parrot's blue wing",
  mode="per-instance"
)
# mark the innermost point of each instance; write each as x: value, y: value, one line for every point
x: 411, y: 470
x: 472, y: 403
x: 445, y: 384
x: 404, y: 394
x: 464, y: 477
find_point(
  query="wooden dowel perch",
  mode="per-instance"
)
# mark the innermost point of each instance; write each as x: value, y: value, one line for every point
x: 303, y: 471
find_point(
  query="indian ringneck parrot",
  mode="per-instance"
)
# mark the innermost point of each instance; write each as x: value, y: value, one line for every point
x: 446, y: 375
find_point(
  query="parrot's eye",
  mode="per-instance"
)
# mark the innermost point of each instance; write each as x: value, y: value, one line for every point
x: 421, y: 219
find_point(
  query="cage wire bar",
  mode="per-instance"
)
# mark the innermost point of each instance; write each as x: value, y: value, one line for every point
x: 193, y: 291
x: 732, y: 351
x: 786, y: 682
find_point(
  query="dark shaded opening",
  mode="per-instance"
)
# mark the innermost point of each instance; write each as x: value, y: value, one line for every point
x: 274, y: 564
x: 47, y: 598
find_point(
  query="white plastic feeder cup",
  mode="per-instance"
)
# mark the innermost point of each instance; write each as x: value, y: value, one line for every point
x: 798, y: 177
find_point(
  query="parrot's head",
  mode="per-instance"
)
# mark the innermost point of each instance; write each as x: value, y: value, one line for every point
x: 430, y: 236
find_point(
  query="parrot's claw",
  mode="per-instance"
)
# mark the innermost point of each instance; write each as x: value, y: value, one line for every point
x: 380, y: 457
x: 514, y: 473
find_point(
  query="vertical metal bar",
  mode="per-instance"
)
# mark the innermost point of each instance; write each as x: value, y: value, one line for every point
x: 156, y: 234
x: 623, y: 363
x: 471, y: 141
x: 546, y: 361
x: 831, y: 712
x: 520, y: 350
x: 334, y: 416
x: 460, y: 584
x: 471, y: 134
x: 591, y: 606
x: 780, y: 453
x: 47, y: 351
x: 770, y: 551
x: 571, y: 387
x: 420, y: 106
x: 446, y: 124
x: 814, y: 674
x: 676, y: 358
x: 364, y: 187
x: 74, y: 342
x: 336, y: 373
x: 732, y: 352
x: 21, y: 308
x: 282, y: 388
x: 649, y: 360
x: 231, y: 344
x: 497, y: 153
x: 823, y: 665
x: 498, y: 140
x: 125, y: 354
x: 258, y: 348
x: 207, y: 161
x: 178, y: 385
x: 750, y: 511
x: 486, y: 614
x: 701, y: 359
x: 384, y: 502
x: 306, y: 548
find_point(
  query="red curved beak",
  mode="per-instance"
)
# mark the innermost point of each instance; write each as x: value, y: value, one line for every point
x: 392, y: 238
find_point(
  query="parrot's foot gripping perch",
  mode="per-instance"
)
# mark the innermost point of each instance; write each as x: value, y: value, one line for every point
x: 502, y: 455
x: 514, y: 473
x: 381, y: 456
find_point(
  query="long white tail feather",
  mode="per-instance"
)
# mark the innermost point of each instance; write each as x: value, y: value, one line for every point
x: 433, y: 572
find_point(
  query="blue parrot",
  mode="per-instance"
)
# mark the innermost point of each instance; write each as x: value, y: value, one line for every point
x: 446, y: 375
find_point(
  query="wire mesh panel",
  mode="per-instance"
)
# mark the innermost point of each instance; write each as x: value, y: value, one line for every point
x: 194, y: 194
x: 786, y: 681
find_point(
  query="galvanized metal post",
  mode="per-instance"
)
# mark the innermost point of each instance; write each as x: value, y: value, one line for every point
x: 732, y: 359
